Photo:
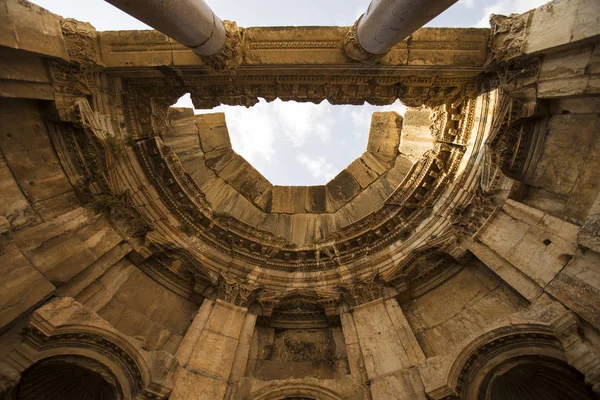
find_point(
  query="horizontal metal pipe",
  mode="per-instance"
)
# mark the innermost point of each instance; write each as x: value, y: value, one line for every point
x: 387, y: 22
x: 190, y: 22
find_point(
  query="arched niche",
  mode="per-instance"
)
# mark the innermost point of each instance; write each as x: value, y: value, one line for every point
x: 297, y: 392
x: 67, y: 378
x: 517, y: 363
x: 77, y: 339
x: 534, y: 377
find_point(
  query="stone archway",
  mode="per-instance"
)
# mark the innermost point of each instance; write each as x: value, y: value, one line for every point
x: 67, y: 378
x: 530, y: 378
x: 297, y: 392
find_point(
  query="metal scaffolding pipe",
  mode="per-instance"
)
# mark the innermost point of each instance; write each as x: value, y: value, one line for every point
x: 387, y: 22
x: 190, y: 22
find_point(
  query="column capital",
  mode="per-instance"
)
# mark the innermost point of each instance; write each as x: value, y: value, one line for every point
x: 231, y: 54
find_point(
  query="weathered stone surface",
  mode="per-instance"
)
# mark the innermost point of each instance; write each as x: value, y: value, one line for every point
x: 567, y: 161
x: 143, y: 308
x: 28, y: 152
x: 29, y: 27
x: 578, y: 286
x: 384, y: 135
x: 297, y: 258
x: 23, y: 286
x: 560, y: 23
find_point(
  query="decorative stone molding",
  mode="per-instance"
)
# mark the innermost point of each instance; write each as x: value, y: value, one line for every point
x: 231, y: 54
x: 423, y: 270
x: 364, y: 291
x: 234, y: 291
x: 580, y: 353
x: 86, y: 149
x: 507, y: 36
x: 469, y: 218
x: 298, y: 389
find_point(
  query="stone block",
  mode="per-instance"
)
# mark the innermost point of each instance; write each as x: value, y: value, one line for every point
x: 577, y: 286
x: 405, y: 384
x: 244, y: 178
x: 26, y: 26
x: 213, y: 355
x: 22, y: 285
x: 341, y: 189
x: 130, y: 48
x: 566, y: 64
x: 316, y: 199
x: 362, y: 173
x: 192, y: 386
x: 29, y: 152
x: 560, y: 23
x: 289, y: 199
x: 226, y: 319
x: 54, y: 207
x: 213, y: 132
x: 384, y: 136
x: 14, y: 206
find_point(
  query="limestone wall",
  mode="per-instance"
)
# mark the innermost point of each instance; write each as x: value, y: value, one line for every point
x: 134, y: 238
x: 460, y: 309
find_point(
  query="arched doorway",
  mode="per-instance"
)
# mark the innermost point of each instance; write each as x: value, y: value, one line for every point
x: 532, y: 378
x: 67, y: 378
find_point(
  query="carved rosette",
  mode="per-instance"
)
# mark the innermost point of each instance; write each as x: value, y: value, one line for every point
x: 355, y: 51
x: 232, y: 53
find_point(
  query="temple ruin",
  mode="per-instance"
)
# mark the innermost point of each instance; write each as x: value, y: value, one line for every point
x: 458, y: 257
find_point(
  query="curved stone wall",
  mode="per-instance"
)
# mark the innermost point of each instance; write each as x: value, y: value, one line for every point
x: 130, y: 237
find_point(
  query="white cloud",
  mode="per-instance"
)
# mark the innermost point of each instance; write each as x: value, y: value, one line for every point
x: 300, y: 121
x: 507, y: 7
x: 290, y: 142
x: 467, y: 3
x: 318, y: 167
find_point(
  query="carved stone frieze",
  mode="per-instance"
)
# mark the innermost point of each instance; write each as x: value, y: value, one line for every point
x: 232, y: 290
x: 77, y: 77
x: 363, y: 291
x: 408, y: 205
x: 507, y: 36
x: 516, y: 138
x: 423, y: 271
x: 469, y: 218
x: 86, y: 149
x: 120, y: 210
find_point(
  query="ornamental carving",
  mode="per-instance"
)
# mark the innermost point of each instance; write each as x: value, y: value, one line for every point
x: 235, y: 291
x: 406, y: 207
x: 232, y: 53
x: 364, y: 291
x: 469, y: 218
x: 507, y: 36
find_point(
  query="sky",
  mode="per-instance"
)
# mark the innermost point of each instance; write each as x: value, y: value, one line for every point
x: 294, y: 143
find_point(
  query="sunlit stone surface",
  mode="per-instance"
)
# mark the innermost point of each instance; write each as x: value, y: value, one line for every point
x: 456, y: 258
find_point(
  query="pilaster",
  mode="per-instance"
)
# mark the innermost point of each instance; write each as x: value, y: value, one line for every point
x: 383, y: 349
x: 214, y: 352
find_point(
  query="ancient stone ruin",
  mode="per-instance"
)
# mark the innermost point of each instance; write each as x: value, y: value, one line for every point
x: 458, y: 257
